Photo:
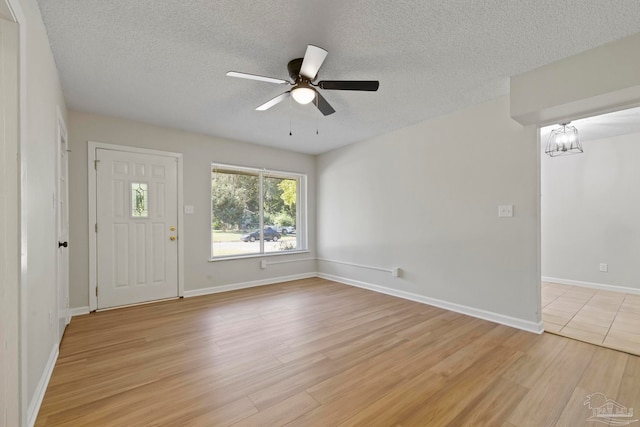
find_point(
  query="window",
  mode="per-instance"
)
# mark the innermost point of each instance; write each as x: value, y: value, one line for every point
x: 255, y: 212
x: 139, y: 201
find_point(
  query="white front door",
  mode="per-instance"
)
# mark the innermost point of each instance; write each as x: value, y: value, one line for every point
x: 62, y: 226
x: 137, y: 219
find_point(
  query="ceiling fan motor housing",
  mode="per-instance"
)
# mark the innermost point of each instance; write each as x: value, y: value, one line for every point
x: 294, y: 68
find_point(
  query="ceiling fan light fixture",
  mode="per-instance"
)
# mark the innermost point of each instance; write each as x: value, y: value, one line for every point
x: 303, y: 94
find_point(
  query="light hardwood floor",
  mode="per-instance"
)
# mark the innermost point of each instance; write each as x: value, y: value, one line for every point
x: 610, y: 319
x: 318, y: 353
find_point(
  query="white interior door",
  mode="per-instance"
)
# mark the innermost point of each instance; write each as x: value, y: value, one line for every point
x: 62, y: 220
x: 137, y: 214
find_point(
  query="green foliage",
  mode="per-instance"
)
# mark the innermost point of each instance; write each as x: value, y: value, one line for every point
x: 283, y: 219
x: 289, y: 193
x: 268, y: 218
x: 273, y: 203
x: 235, y: 199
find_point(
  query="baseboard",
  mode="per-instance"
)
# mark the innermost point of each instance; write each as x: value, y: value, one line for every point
x: 36, y: 401
x: 78, y: 311
x: 513, y: 322
x: 591, y: 285
x: 469, y: 311
x: 244, y: 285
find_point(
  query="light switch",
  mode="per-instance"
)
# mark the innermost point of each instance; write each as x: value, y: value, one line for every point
x: 505, y: 210
x: 188, y: 209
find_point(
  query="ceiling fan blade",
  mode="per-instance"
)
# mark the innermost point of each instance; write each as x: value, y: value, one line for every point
x: 274, y: 101
x: 255, y: 77
x: 313, y: 59
x: 370, y: 85
x: 322, y: 104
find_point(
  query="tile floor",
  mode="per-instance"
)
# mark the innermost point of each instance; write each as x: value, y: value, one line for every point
x: 609, y: 319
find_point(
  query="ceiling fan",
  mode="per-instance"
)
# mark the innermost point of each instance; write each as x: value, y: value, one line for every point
x: 303, y: 73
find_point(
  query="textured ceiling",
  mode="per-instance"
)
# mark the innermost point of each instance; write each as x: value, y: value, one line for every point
x: 164, y: 61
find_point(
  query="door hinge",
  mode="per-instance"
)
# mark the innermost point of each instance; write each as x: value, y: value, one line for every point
x: 96, y: 227
x: 95, y: 164
x: 96, y: 291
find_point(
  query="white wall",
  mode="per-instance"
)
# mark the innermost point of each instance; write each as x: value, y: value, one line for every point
x: 599, y: 80
x: 425, y: 199
x: 9, y: 221
x: 591, y: 213
x: 38, y: 141
x: 198, y: 153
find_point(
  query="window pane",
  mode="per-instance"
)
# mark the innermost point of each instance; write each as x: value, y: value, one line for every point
x: 235, y: 213
x: 240, y: 195
x: 139, y: 200
x: 280, y: 201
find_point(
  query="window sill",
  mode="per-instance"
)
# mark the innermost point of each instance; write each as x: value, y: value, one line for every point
x: 250, y: 256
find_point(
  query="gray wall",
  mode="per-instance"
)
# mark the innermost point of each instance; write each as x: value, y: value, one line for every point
x: 39, y: 293
x: 425, y: 199
x: 591, y: 213
x: 9, y: 222
x: 198, y: 153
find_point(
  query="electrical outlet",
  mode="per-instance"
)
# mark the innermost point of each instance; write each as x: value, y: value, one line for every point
x: 263, y: 264
x: 604, y: 267
x: 395, y: 271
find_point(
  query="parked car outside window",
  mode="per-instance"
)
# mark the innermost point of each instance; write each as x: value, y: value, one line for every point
x: 284, y: 230
x: 269, y: 234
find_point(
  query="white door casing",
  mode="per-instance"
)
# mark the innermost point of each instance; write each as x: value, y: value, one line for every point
x: 136, y: 259
x: 62, y: 227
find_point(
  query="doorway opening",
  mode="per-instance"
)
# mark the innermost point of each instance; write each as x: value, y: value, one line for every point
x: 590, y: 234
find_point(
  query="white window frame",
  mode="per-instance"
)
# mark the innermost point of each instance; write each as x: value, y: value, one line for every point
x: 301, y: 210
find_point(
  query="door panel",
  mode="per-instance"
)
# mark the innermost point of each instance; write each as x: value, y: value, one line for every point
x: 62, y: 215
x: 137, y: 205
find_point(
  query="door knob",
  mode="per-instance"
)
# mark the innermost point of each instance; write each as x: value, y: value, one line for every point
x: 172, y: 238
x: 63, y: 244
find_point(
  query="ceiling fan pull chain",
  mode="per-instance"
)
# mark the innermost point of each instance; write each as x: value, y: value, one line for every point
x: 290, y: 134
